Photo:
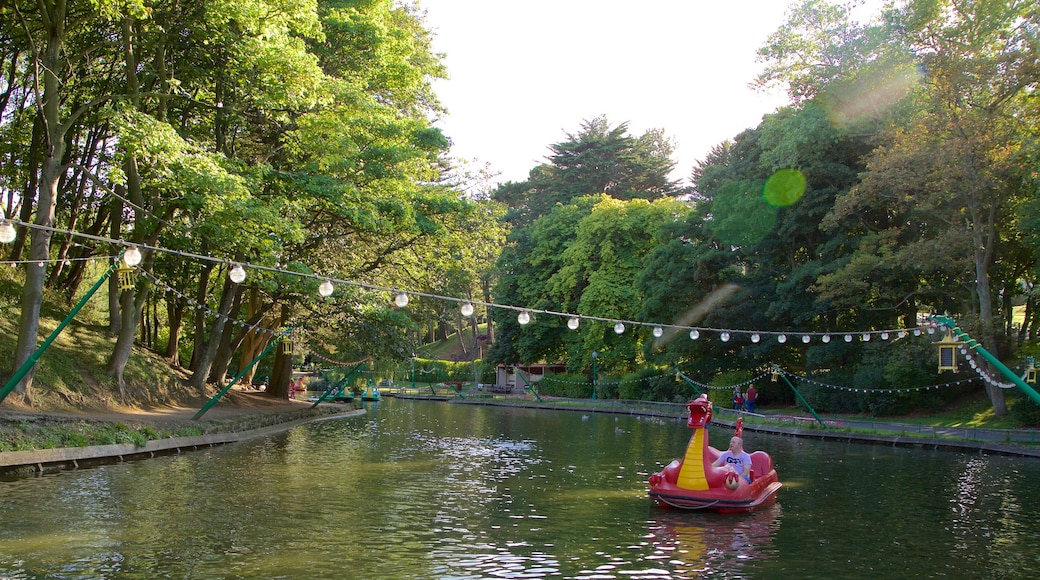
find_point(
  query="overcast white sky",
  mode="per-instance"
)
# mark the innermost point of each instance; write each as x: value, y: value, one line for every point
x: 523, y: 74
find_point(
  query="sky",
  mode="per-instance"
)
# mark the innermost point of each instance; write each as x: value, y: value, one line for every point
x: 525, y: 74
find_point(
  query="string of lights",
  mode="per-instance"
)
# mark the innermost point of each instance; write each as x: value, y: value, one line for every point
x: 553, y: 379
x: 331, y: 361
x: 812, y: 381
x: 730, y: 387
x: 207, y: 310
x: 985, y: 376
x: 64, y: 261
x: 327, y: 284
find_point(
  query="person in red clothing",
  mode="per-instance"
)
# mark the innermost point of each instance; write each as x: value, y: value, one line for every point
x: 749, y: 399
x: 738, y: 400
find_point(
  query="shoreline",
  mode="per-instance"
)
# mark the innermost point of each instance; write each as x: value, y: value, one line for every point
x: 897, y: 440
x: 39, y: 461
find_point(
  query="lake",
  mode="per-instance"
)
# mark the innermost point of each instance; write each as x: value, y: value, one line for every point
x: 420, y: 489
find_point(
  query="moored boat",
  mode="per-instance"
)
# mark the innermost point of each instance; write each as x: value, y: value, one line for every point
x: 695, y: 483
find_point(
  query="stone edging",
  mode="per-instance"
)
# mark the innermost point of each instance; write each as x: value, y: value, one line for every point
x: 39, y: 459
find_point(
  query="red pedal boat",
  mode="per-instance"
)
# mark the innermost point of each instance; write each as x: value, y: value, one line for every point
x: 694, y: 483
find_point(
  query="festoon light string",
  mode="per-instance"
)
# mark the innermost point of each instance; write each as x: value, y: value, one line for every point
x: 327, y: 284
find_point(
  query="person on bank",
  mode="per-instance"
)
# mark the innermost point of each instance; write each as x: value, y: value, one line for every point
x: 736, y: 459
x: 750, y: 396
x: 738, y: 400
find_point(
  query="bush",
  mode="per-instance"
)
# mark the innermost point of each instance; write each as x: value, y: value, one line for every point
x: 1024, y: 412
x: 571, y: 385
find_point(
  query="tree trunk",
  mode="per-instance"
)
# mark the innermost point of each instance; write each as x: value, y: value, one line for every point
x: 202, y: 366
x: 114, y: 316
x: 124, y: 342
x: 281, y: 371
x: 200, y: 315
x: 175, y: 317
x: 50, y: 176
x: 227, y: 342
x: 485, y: 286
x: 984, y: 237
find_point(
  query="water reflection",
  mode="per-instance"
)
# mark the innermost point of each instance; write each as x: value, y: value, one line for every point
x: 713, y: 544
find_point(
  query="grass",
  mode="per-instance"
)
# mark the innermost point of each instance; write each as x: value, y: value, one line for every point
x: 52, y: 432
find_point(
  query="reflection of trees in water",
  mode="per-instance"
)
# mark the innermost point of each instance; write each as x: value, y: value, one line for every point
x: 982, y: 491
x: 710, y: 543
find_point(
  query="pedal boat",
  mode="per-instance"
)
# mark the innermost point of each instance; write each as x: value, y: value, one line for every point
x: 694, y: 483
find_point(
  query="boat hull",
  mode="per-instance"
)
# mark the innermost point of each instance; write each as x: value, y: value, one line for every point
x: 746, y: 498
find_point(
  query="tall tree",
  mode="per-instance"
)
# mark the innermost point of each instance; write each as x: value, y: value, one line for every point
x: 946, y: 183
x: 598, y: 158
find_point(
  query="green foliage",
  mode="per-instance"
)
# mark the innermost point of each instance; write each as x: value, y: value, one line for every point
x: 598, y: 159
x: 429, y: 371
x: 1024, y: 412
x: 570, y: 385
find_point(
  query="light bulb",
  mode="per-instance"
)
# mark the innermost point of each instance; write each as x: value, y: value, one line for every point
x: 325, y: 289
x: 782, y: 338
x: 573, y: 323
x: 467, y: 309
x: 806, y: 338
x: 658, y: 331
x: 132, y: 257
x: 695, y: 334
x: 848, y: 338
x: 755, y: 338
x: 866, y: 337
x: 724, y: 336
x: 619, y: 328
x: 401, y: 300
x: 237, y: 274
x: 826, y: 338
x: 524, y: 317
x: 7, y: 233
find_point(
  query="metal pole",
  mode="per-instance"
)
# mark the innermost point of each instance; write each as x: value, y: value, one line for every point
x: 529, y: 386
x: 776, y: 369
x: 35, y: 356
x: 690, y: 382
x: 213, y: 400
x: 340, y: 385
x: 972, y: 344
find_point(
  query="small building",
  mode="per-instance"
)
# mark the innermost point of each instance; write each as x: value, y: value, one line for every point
x: 506, y: 376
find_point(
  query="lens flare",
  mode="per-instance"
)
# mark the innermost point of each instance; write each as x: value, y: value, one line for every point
x: 784, y: 187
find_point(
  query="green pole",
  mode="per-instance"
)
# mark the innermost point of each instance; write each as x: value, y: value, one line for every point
x: 972, y: 344
x: 213, y: 400
x: 528, y: 385
x: 776, y: 369
x: 339, y: 386
x: 689, y: 382
x: 35, y: 356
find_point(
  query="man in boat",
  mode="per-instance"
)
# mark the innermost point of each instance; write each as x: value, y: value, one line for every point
x: 736, y: 459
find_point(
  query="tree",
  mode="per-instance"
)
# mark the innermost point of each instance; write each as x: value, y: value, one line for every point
x: 597, y: 159
x: 937, y: 196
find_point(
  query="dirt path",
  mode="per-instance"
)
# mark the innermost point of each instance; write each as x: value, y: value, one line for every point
x: 235, y: 403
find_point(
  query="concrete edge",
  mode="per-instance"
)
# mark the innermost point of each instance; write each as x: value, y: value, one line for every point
x: 38, y: 459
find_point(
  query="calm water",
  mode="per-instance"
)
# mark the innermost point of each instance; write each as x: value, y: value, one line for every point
x: 433, y: 490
